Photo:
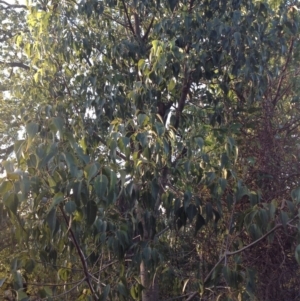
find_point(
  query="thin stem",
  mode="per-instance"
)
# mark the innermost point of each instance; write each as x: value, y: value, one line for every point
x: 81, y: 255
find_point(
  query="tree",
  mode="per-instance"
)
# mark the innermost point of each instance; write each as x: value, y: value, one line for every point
x: 136, y: 119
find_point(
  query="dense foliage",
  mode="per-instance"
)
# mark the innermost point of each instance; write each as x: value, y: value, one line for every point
x: 150, y: 150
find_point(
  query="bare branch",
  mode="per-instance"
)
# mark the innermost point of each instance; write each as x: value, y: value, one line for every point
x: 12, y: 6
x: 181, y: 104
x: 128, y: 18
x: 81, y: 256
x: 16, y: 64
x: 68, y: 291
x: 145, y: 37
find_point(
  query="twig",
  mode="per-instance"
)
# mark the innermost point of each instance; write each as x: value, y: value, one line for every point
x: 8, y: 5
x: 127, y: 15
x: 16, y: 64
x: 161, y: 232
x: 66, y: 292
x: 144, y: 38
x: 81, y: 255
x: 53, y: 284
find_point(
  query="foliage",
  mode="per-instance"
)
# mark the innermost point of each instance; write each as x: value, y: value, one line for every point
x: 158, y: 155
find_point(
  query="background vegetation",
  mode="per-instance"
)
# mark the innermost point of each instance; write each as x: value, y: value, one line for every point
x: 150, y: 150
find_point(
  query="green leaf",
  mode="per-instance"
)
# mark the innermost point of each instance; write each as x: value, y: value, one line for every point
x: 70, y: 207
x: 160, y: 129
x: 209, y: 211
x: 142, y: 119
x: 25, y: 186
x: 297, y: 254
x: 237, y: 38
x: 199, y: 223
x: 200, y: 142
x: 57, y: 199
x: 100, y: 185
x: 296, y: 195
x: 31, y: 129
x: 141, y: 64
x: 223, y: 183
x: 105, y: 293
x: 186, y: 199
x: 18, y: 282
x: 29, y: 266
x: 172, y: 4
x: 191, y: 212
x: 112, y: 180
x: 91, y: 211
x: 9, y: 166
x: 63, y: 274
x: 134, y: 292
x: 51, y: 219
x: 284, y: 219
x: 5, y: 187
x: 22, y: 296
x: 2, y: 281
x: 91, y: 170
x: 180, y: 217
x: 12, y: 203
x: 123, y: 290
x: 217, y: 216
x: 171, y: 85
x: 58, y: 123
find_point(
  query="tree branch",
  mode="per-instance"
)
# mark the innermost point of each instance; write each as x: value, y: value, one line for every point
x: 145, y: 37
x: 128, y: 18
x: 66, y: 292
x: 16, y: 64
x: 8, y: 5
x: 184, y: 92
x: 81, y: 256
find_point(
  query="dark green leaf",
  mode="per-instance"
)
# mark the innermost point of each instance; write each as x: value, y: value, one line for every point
x: 2, y: 281
x: 57, y: 199
x: 31, y: 129
x: 51, y: 219
x: 105, y: 293
x: 70, y: 207
x: 209, y: 211
x: 100, y: 185
x: 187, y: 199
x: 58, y: 123
x: 191, y: 212
x: 22, y: 296
x: 199, y: 223
x: 12, y: 203
x: 297, y: 254
x: 284, y: 218
x: 18, y: 281
x: 5, y: 187
x: 123, y: 290
x: 91, y: 209
x: 91, y: 170
x: 29, y: 266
